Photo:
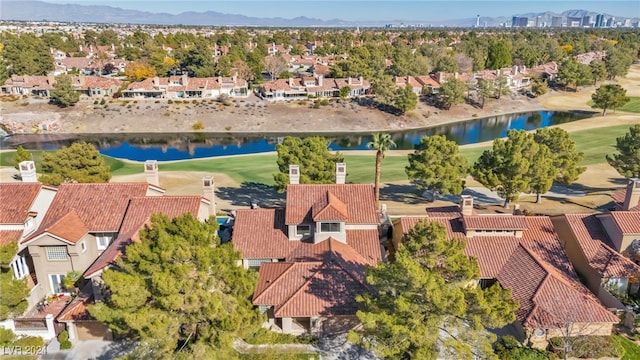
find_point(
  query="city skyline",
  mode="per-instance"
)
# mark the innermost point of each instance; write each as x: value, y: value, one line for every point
x: 359, y: 10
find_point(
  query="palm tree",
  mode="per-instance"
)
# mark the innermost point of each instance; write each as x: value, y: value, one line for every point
x: 381, y: 142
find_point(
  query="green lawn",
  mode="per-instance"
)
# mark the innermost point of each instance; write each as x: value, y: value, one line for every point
x: 631, y: 349
x: 594, y: 143
x: 632, y: 106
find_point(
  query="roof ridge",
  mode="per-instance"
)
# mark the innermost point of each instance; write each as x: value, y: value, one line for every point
x: 287, y: 270
x: 293, y: 294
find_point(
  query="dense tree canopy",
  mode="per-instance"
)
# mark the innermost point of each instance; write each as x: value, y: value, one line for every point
x: 405, y: 99
x: 80, y: 162
x: 499, y: 56
x: 64, y: 94
x: 179, y: 290
x: 317, y: 163
x: 451, y: 93
x: 139, y: 70
x: 565, y: 157
x: 609, y: 96
x: 437, y: 166
x: 627, y: 160
x: 505, y: 167
x: 425, y: 306
x: 24, y: 54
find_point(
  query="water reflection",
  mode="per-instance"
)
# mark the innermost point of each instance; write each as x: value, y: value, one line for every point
x: 179, y: 146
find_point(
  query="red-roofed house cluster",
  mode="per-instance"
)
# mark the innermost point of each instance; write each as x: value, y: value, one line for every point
x: 82, y: 228
x: 312, y: 86
x: 35, y: 85
x: 313, y: 254
x: 177, y: 87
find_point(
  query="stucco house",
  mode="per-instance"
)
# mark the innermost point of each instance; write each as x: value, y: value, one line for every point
x: 524, y: 254
x: 184, y: 87
x: 312, y: 254
x: 316, y: 86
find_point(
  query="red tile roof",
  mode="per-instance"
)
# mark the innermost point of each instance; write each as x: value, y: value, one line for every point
x: 15, y: 201
x: 618, y: 198
x: 534, y: 267
x: 495, y: 222
x: 329, y: 208
x: 78, y: 308
x: 627, y: 221
x: 69, y: 227
x: 597, y: 247
x: 262, y: 234
x: 9, y: 236
x: 358, y: 199
x: 138, y: 215
x: 100, y: 206
x: 324, y: 283
x: 547, y: 297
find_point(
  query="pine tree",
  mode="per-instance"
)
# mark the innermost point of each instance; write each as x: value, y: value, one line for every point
x: 13, y: 291
x: 80, y: 162
x: 627, y: 161
x: 437, y: 166
x: 609, y: 96
x: 20, y: 156
x: 566, y: 158
x: 179, y: 289
x: 505, y: 167
x: 426, y: 305
x: 451, y: 93
x: 405, y: 99
x: 63, y: 93
x: 317, y: 163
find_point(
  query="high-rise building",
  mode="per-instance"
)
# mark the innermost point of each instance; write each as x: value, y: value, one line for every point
x: 611, y: 22
x: 627, y: 22
x: 586, y: 21
x: 600, y: 21
x: 519, y: 21
x: 573, y: 21
x: 538, y: 21
x: 556, y: 21
x: 478, y: 21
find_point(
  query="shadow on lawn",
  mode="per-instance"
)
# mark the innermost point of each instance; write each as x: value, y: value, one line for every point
x: 406, y: 193
x: 264, y: 196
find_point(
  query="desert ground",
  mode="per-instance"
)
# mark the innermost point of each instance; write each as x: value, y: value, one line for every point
x: 254, y: 115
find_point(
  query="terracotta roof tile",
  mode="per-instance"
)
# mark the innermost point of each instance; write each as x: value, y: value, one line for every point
x: 69, y: 227
x: 618, y: 198
x: 366, y: 243
x: 9, y: 236
x: 329, y: 208
x: 280, y: 280
x: 358, y: 199
x: 262, y: 234
x: 78, y: 308
x: 138, y: 215
x: 100, y: 206
x: 495, y: 222
x: 15, y: 201
x: 597, y: 247
x: 627, y: 221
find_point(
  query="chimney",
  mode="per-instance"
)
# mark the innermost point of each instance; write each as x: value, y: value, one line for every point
x: 466, y: 205
x: 184, y: 79
x: 28, y: 171
x: 294, y: 174
x: 631, y: 198
x: 290, y: 81
x: 151, y: 172
x: 361, y: 79
x: 320, y: 78
x: 341, y: 173
x: 516, y: 209
x: 514, y: 70
x: 349, y: 80
x: 440, y: 77
x: 208, y: 187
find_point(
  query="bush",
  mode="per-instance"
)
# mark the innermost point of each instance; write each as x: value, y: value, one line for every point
x: 170, y: 101
x: 65, y: 345
x: 6, y: 337
x: 509, y: 348
x: 587, y: 347
x: 324, y: 102
x: 29, y: 342
x: 63, y: 336
x: 95, y: 102
x: 198, y: 125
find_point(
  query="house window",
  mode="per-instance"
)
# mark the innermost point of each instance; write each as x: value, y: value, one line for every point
x: 57, y: 281
x: 330, y: 227
x: 83, y: 246
x: 103, y: 241
x: 303, y: 230
x: 57, y: 253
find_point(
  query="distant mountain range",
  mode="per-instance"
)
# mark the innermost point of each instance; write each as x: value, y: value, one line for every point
x: 39, y: 10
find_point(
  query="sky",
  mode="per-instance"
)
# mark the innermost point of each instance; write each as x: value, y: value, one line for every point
x: 371, y: 9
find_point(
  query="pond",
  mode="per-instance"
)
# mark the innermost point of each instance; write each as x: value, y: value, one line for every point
x: 181, y: 146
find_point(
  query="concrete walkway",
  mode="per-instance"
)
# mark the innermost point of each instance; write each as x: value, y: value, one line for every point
x: 90, y: 350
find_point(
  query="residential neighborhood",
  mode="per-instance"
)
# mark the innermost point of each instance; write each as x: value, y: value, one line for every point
x: 350, y: 191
